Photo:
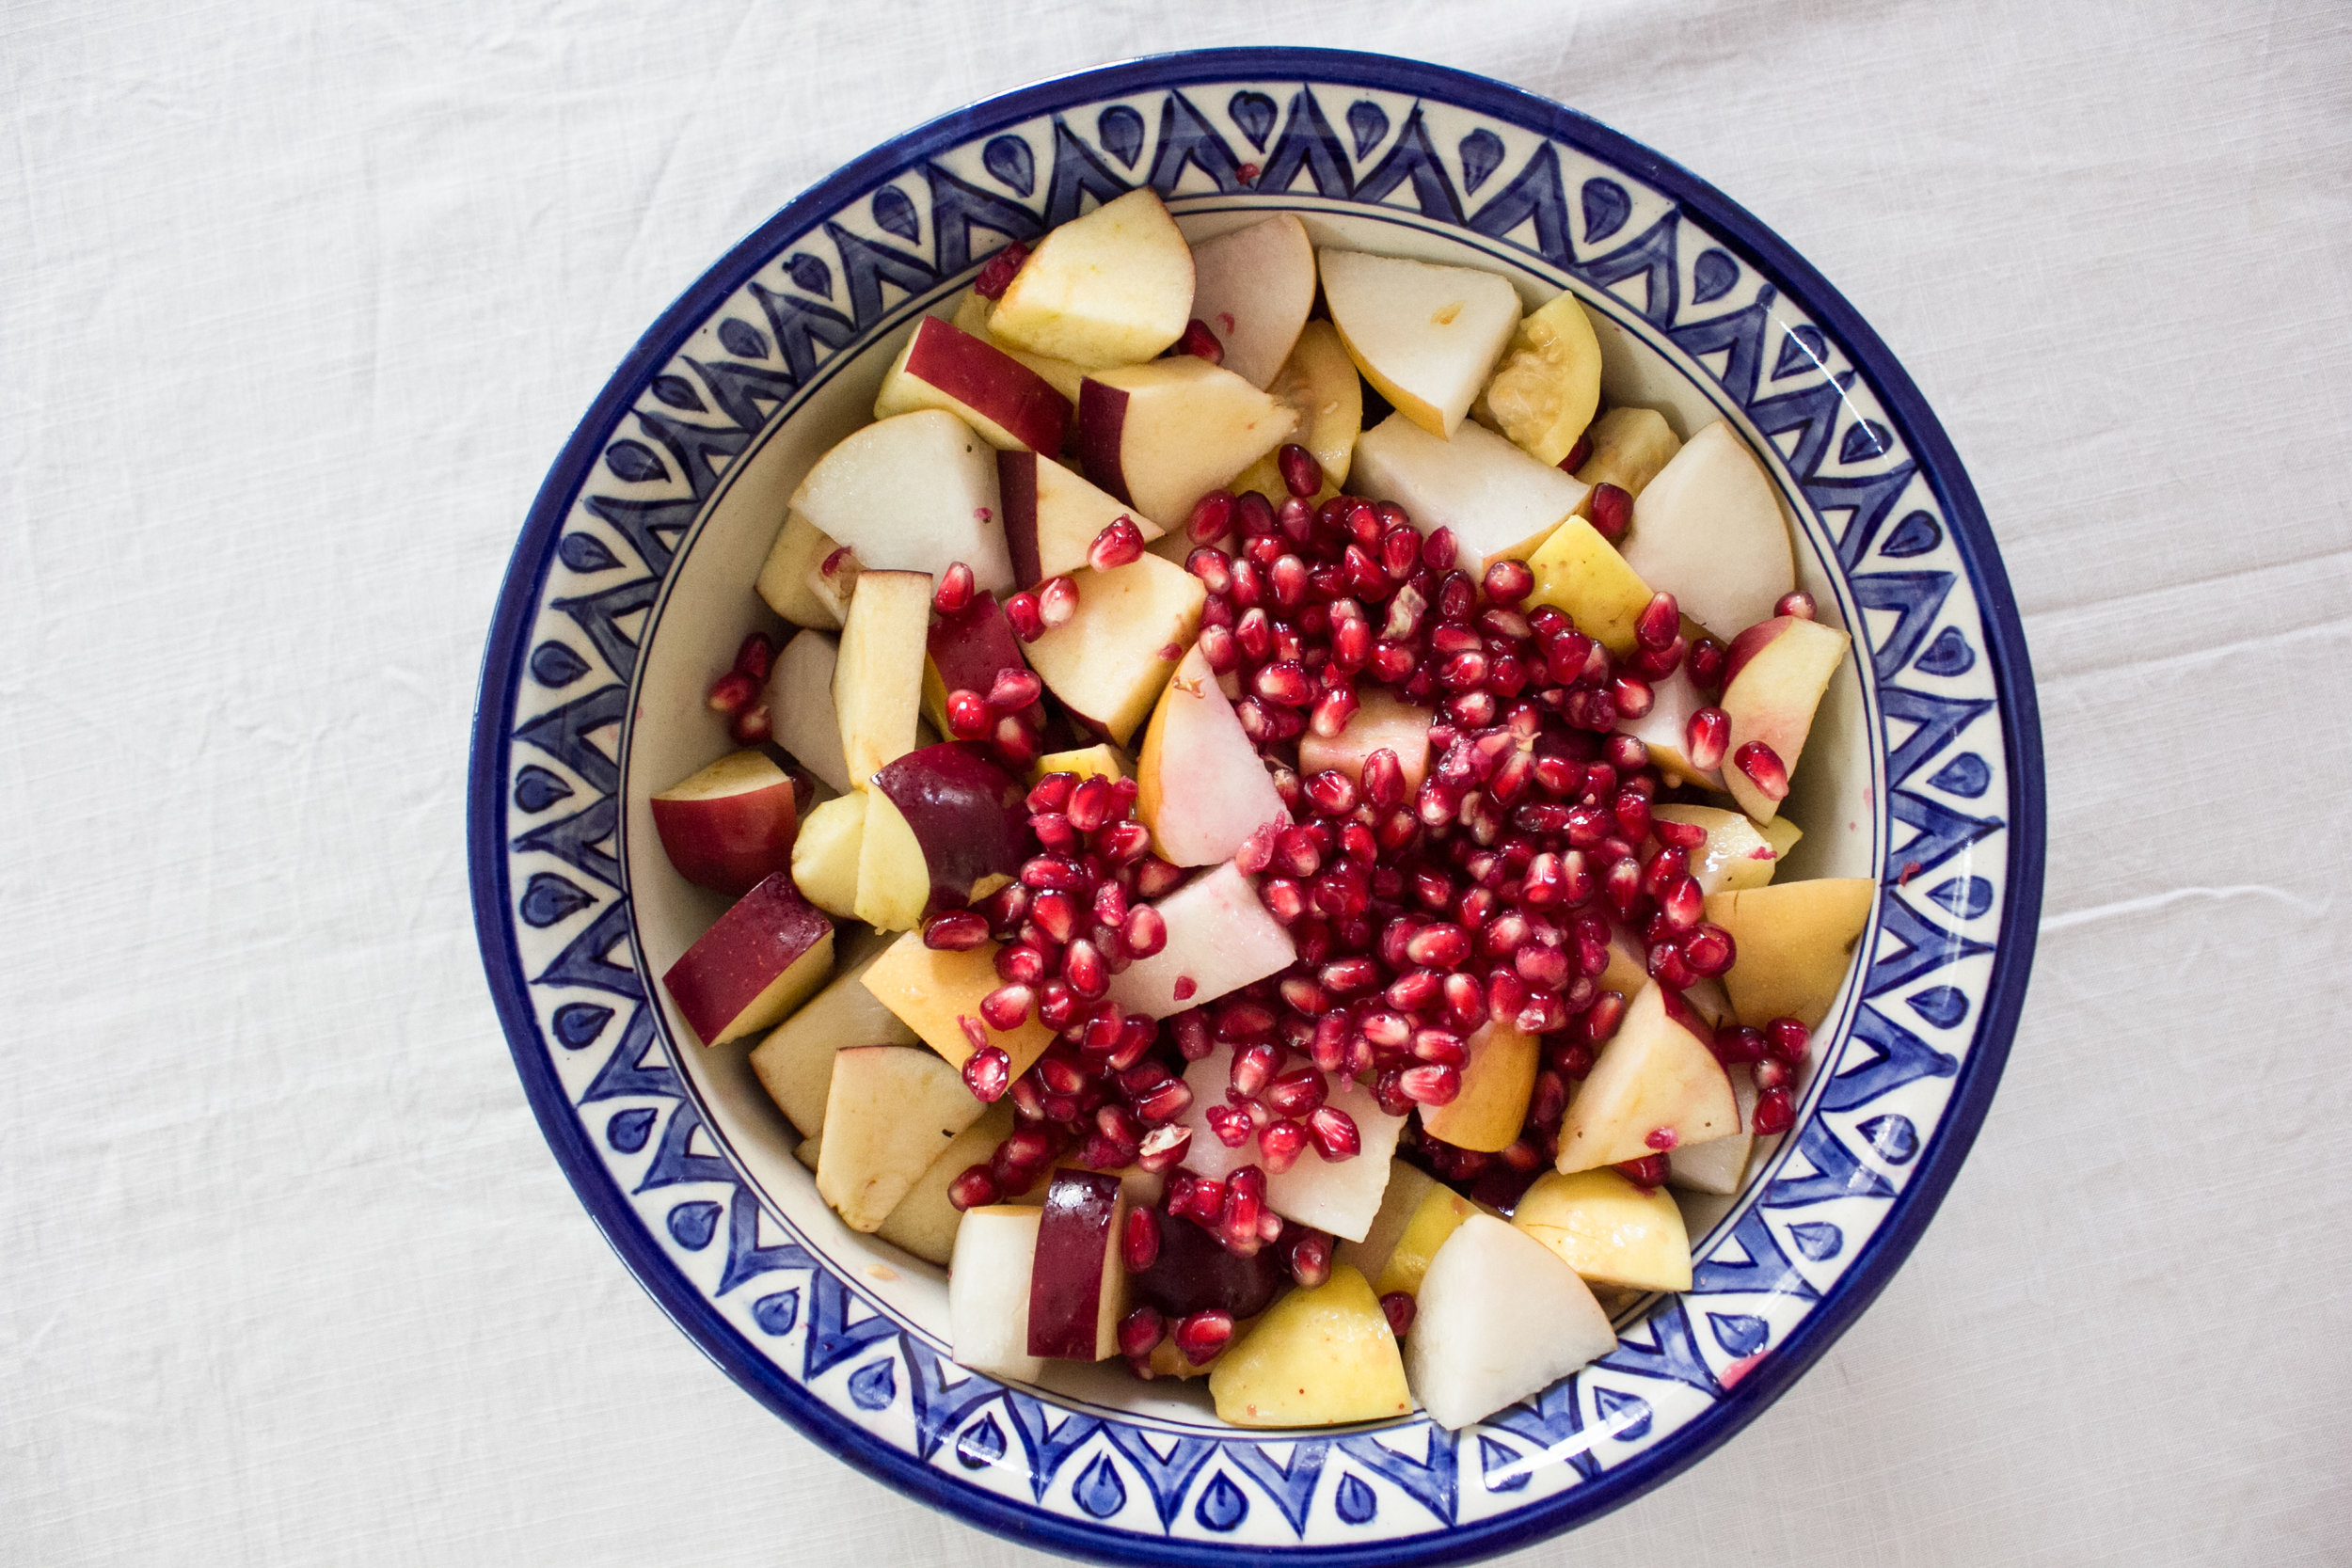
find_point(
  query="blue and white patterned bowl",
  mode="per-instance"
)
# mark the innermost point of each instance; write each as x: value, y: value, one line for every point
x: 631, y: 584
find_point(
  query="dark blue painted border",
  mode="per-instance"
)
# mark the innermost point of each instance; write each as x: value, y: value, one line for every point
x: 1940, y: 464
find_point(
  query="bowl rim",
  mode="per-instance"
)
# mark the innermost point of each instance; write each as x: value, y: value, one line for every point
x: 1940, y: 467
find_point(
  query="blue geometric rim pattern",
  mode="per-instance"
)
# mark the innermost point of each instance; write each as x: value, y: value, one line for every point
x: 1892, y: 1112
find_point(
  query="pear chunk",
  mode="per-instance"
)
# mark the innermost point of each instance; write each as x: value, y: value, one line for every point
x: 1655, y: 1073
x: 1426, y: 336
x: 1499, y: 1317
x: 1795, y: 942
x: 1318, y: 1357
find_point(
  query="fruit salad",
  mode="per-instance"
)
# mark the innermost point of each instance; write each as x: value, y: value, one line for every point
x: 1258, y: 850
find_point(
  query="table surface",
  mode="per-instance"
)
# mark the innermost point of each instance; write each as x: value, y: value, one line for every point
x: 298, y: 303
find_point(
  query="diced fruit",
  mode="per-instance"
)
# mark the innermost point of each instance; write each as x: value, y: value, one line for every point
x: 934, y: 990
x: 1736, y: 856
x: 926, y: 1222
x: 1580, y: 573
x: 1160, y: 436
x: 972, y: 315
x: 799, y: 707
x: 1009, y: 404
x: 1629, y: 962
x: 1318, y: 1357
x: 1053, y: 517
x: 801, y: 546
x: 1078, y: 1285
x: 1253, y: 288
x: 1629, y: 445
x: 1658, y: 1072
x: 1607, y: 1229
x: 1343, y: 1197
x: 1319, y: 380
x: 878, y: 680
x: 1544, y: 392
x: 1440, y: 1214
x: 1110, y: 661
x: 1400, y: 1199
x: 1195, y: 1272
x: 1718, y: 1165
x: 1497, y: 1083
x: 757, y: 962
x: 1500, y: 1317
x: 1111, y: 288
x: 1220, y: 938
x: 1497, y: 501
x: 808, y: 1151
x: 915, y: 492
x: 1782, y: 834
x: 1773, y: 677
x: 967, y: 651
x: 1426, y: 336
x: 946, y: 826
x: 1796, y: 941
x: 795, y: 1062
x: 832, y: 579
x: 890, y: 1111
x: 988, y: 1291
x: 826, y: 856
x: 1665, y: 729
x: 1100, y: 760
x: 1709, y: 531
x: 731, y: 825
x: 1201, y: 787
x: 1385, y: 721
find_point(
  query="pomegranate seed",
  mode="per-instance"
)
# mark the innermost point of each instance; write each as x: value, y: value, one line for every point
x: 1145, y: 931
x: 1681, y: 902
x: 1056, y: 601
x: 1737, y: 1045
x: 1762, y: 764
x: 1051, y: 792
x: 1440, y: 550
x: 733, y: 692
x: 1202, y: 1334
x: 974, y: 1189
x: 1430, y: 1085
x: 1252, y: 1065
x: 1439, y: 947
x: 1770, y: 1075
x: 1029, y: 622
x: 1119, y: 545
x: 1775, y: 1112
x: 1082, y: 969
x: 1090, y: 805
x: 954, y: 590
x: 1280, y: 1143
x: 1549, y: 1099
x: 988, y: 1073
x: 1284, y: 899
x: 968, y: 717
x: 1248, y: 591
x: 1212, y: 518
x: 1509, y: 582
x: 1787, y: 1041
x: 1332, y: 711
x: 996, y: 276
x: 1141, y: 1241
x: 956, y: 931
x: 1633, y: 696
x: 1708, y: 950
x: 1400, y: 553
x: 1398, y: 1308
x: 1705, y: 737
x: 754, y: 655
x: 751, y: 725
x: 1649, y: 1170
x: 1200, y: 342
x: 1668, y: 967
x: 1334, y: 1133
x: 1123, y: 842
x: 1283, y: 682
x: 1660, y: 623
x: 1296, y: 1092
x: 1578, y: 456
x: 1612, y: 511
x: 1797, y: 603
x: 1602, y: 1018
x: 1662, y: 1138
x: 1141, y: 1330
x: 1302, y: 475
x: 1006, y: 1007
x: 1213, y: 567
x: 1157, y: 877
x: 1544, y: 968
x: 1439, y: 1048
x: 1162, y: 1147
x: 1704, y: 662
x: 1311, y: 1258
x: 1257, y: 851
x: 1054, y: 914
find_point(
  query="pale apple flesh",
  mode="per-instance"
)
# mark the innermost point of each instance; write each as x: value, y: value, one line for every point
x: 915, y: 492
x: 1052, y: 516
x: 1220, y: 938
x: 1498, y: 1316
x: 932, y: 991
x: 1735, y: 855
x: 1657, y: 1074
x: 878, y: 678
x: 1426, y: 336
x: 1401, y: 1194
x: 1159, y: 437
x: 1434, y: 1221
x: 1497, y: 1082
x: 800, y: 713
x: 1113, y: 287
x: 1109, y: 662
x: 889, y: 1113
x: 801, y: 546
x: 1254, y: 287
x: 1796, y: 943
x: 1343, y: 1197
x: 1383, y: 722
x: 794, y: 1062
x: 1709, y: 531
x: 1580, y: 573
x: 763, y: 958
x: 988, y: 1291
x: 828, y: 852
x: 731, y: 825
x: 1774, y: 674
x: 1665, y: 730
x: 926, y: 1222
x: 1629, y: 445
x: 1203, y: 788
x: 1544, y: 393
x: 1497, y: 501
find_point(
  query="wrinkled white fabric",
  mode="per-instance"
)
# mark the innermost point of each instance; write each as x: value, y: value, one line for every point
x: 296, y: 303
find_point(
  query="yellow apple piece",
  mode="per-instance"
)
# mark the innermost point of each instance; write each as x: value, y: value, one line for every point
x: 1318, y: 1357
x: 1100, y: 760
x: 810, y: 1149
x: 891, y: 1111
x: 933, y: 990
x: 1110, y: 660
x: 1628, y: 973
x: 1795, y: 941
x: 1499, y: 1317
x: 894, y: 881
x: 1400, y: 1199
x: 1630, y: 447
x: 925, y: 1221
x: 760, y: 960
x: 794, y: 1063
x: 878, y: 679
x: 1735, y: 857
x: 1582, y: 574
x: 800, y: 547
x: 1544, y: 392
x: 1426, y: 336
x: 1607, y: 1229
x: 1497, y: 1082
x: 826, y: 855
x: 1113, y: 287
x: 1160, y: 436
x: 1440, y: 1213
x: 1774, y: 674
x: 1656, y: 1075
x: 1497, y: 501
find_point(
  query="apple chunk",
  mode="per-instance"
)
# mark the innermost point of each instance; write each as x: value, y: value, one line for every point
x: 1774, y: 674
x: 1432, y: 1224
x: 1318, y: 1357
x: 1735, y: 857
x: 1497, y: 500
x: 800, y: 709
x: 757, y: 962
x: 1053, y: 517
x: 1497, y: 1082
x: 826, y: 855
x: 933, y: 991
x: 801, y: 546
x: 915, y: 492
x: 1426, y: 336
x: 1400, y: 1197
x: 1665, y: 730
x: 1113, y: 287
x: 1719, y: 1165
x: 1159, y: 437
x: 1580, y: 573
x: 878, y: 679
x: 1629, y: 445
x: 1078, y: 1285
x: 1607, y: 1229
x: 968, y: 649
x: 794, y: 1063
x: 1499, y: 1317
x: 1343, y: 1197
x: 1109, y: 661
x: 1544, y: 392
x: 890, y: 1111
x: 1201, y: 788
x: 1709, y: 531
x: 1384, y: 722
x: 925, y: 1221
x: 1657, y: 1074
x: 944, y: 826
x: 1253, y: 288
x: 1795, y: 941
x: 1009, y: 404
x: 731, y: 825
x: 988, y: 1291
x: 1220, y: 938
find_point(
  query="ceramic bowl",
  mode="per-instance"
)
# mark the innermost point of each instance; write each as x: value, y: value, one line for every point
x: 632, y: 585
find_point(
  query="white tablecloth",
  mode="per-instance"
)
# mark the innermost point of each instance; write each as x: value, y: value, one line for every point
x: 299, y: 301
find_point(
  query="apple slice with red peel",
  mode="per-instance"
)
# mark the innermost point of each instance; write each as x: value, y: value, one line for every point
x: 890, y: 1110
x: 988, y: 1291
x: 933, y: 990
x: 1497, y: 1082
x: 1194, y: 1273
x: 794, y: 1062
x: 731, y: 825
x: 965, y: 820
x: 1220, y: 938
x: 1629, y: 445
x: 1709, y: 531
x: 1795, y: 944
x: 967, y: 650
x: 800, y: 546
x: 1053, y: 517
x: 1009, y: 404
x: 1078, y: 1285
x: 1202, y: 787
x: 1497, y: 500
x: 1113, y: 287
x: 1498, y: 1316
x: 878, y: 679
x: 1384, y: 722
x: 1254, y: 287
x: 1110, y: 661
x: 1426, y: 336
x: 800, y: 709
x: 971, y: 315
x: 758, y: 962
x: 826, y: 855
x: 1159, y: 437
x: 1774, y: 674
x: 915, y: 492
x: 1343, y: 1197
x: 1656, y: 1072
x: 1665, y: 729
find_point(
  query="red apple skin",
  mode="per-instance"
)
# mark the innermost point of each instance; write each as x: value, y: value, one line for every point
x: 731, y: 842
x: 1016, y: 497
x: 1066, y: 1280
x: 759, y: 937
x: 986, y: 379
x: 1686, y: 1016
x: 973, y: 646
x: 1748, y: 644
x: 1102, y: 422
x: 970, y: 816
